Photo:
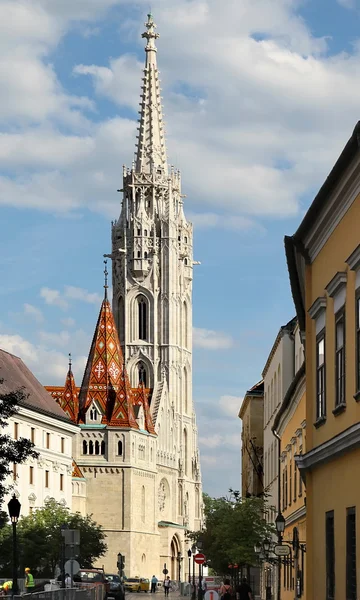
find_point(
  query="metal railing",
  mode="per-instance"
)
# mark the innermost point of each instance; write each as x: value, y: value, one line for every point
x: 90, y: 592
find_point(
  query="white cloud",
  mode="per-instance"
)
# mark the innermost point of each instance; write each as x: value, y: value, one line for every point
x: 217, y: 440
x: 34, y: 312
x: 350, y: 4
x: 49, y: 365
x: 62, y: 338
x: 211, y: 340
x: 228, y: 222
x: 76, y: 293
x: 230, y: 405
x: 68, y: 322
x: 53, y: 297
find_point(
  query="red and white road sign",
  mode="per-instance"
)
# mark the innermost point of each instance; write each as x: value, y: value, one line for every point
x: 199, y: 559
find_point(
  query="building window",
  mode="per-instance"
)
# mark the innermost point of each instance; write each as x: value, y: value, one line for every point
x: 142, y: 374
x: 102, y: 449
x: 340, y: 358
x: 93, y: 414
x: 97, y: 447
x: 290, y: 481
x: 61, y: 482
x: 120, y: 448
x: 330, y: 555
x: 85, y: 447
x: 139, y: 231
x: 145, y: 232
x: 62, y: 445
x: 300, y: 480
x: 31, y: 475
x: 91, y: 447
x: 351, y: 554
x: 14, y: 471
x: 358, y: 341
x: 295, y: 480
x: 142, y: 317
x: 320, y: 377
x: 185, y: 240
x: 145, y: 254
x: 32, y: 435
x: 16, y: 431
x: 48, y: 441
x: 46, y: 479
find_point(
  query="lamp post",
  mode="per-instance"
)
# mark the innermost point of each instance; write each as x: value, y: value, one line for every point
x: 189, y: 557
x: 200, y: 594
x: 193, y: 550
x: 280, y: 528
x: 14, y: 512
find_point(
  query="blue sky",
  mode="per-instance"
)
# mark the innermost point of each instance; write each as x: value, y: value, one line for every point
x: 259, y: 97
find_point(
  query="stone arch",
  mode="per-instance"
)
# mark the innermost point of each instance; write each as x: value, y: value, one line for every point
x: 133, y: 369
x: 175, y: 549
x: 133, y: 315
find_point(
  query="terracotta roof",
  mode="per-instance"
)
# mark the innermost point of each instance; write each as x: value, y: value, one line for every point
x: 16, y: 375
x: 105, y: 379
x: 77, y: 471
x: 69, y: 400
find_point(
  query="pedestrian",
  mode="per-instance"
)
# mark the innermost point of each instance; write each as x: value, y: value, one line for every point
x: 6, y: 588
x: 68, y: 582
x: 203, y: 587
x: 244, y: 591
x: 29, y: 581
x: 226, y: 592
x: 167, y: 584
x: 153, y: 584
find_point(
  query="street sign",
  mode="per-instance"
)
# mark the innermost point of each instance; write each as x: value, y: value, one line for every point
x: 72, y: 567
x: 282, y: 550
x: 211, y: 595
x: 199, y: 558
x: 72, y: 551
x: 72, y: 536
x: 165, y: 571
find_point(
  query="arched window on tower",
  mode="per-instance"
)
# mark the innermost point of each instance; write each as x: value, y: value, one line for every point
x: 120, y: 448
x: 185, y: 392
x: 142, y: 317
x: 185, y: 261
x: 91, y: 447
x: 97, y: 447
x: 121, y: 320
x: 186, y: 458
x: 142, y: 374
x: 103, y: 447
x: 85, y: 447
x: 145, y: 255
x: 139, y: 254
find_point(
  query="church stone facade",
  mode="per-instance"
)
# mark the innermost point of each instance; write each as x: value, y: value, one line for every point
x: 138, y: 469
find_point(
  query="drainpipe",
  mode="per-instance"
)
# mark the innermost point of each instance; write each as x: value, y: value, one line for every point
x: 279, y: 510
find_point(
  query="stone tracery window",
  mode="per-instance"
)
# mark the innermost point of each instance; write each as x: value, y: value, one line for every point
x: 120, y: 448
x: 85, y: 447
x: 142, y: 374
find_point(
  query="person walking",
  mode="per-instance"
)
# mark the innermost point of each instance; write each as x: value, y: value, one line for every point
x: 167, y: 584
x: 68, y: 582
x: 29, y: 581
x: 226, y: 592
x: 153, y: 584
x: 244, y: 591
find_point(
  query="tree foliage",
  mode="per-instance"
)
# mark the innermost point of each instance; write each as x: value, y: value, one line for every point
x: 40, y: 540
x: 11, y: 451
x: 233, y: 526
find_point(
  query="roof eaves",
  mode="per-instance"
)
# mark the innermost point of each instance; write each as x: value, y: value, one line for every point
x: 290, y: 250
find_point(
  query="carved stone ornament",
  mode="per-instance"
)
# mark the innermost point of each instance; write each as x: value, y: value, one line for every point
x: 162, y: 496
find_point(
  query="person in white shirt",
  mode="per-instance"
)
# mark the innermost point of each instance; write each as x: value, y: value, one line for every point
x: 68, y: 582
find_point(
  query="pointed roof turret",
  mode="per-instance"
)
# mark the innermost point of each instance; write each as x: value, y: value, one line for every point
x: 151, y: 148
x: 69, y: 401
x: 105, y: 379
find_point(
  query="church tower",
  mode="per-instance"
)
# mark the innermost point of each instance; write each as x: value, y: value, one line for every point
x: 152, y: 252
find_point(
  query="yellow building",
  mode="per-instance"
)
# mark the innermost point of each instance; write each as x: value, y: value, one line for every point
x: 252, y: 440
x: 290, y: 426
x: 324, y: 265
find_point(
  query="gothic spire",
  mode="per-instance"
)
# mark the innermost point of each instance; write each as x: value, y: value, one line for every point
x: 69, y: 400
x: 151, y: 149
x: 105, y: 380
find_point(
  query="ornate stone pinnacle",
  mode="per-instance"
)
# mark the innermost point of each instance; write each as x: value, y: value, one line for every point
x: 150, y: 34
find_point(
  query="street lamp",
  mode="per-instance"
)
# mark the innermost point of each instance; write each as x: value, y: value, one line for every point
x: 280, y: 525
x: 199, y: 544
x: 257, y: 548
x: 266, y: 545
x: 14, y: 512
x: 189, y: 557
x: 193, y: 551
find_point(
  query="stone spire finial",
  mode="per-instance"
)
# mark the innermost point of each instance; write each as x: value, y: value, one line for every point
x: 150, y: 34
x: 105, y: 279
x: 151, y: 149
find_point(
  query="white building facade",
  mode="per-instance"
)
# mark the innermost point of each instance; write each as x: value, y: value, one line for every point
x: 43, y: 422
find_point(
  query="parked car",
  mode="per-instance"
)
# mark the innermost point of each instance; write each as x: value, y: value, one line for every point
x: 87, y: 577
x: 116, y: 586
x: 137, y: 584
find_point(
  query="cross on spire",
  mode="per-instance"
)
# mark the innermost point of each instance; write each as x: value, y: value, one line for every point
x: 150, y: 34
x: 105, y: 279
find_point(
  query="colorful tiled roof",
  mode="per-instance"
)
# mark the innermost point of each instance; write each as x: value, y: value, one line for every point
x: 142, y: 399
x: 69, y: 400
x: 105, y: 378
x: 77, y: 471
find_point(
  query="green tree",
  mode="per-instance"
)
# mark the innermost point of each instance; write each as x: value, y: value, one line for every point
x: 40, y: 539
x: 11, y: 451
x: 233, y: 526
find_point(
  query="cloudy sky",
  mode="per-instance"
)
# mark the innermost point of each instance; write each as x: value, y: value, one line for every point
x: 259, y: 97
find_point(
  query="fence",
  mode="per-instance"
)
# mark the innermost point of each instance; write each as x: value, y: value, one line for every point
x: 96, y: 592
